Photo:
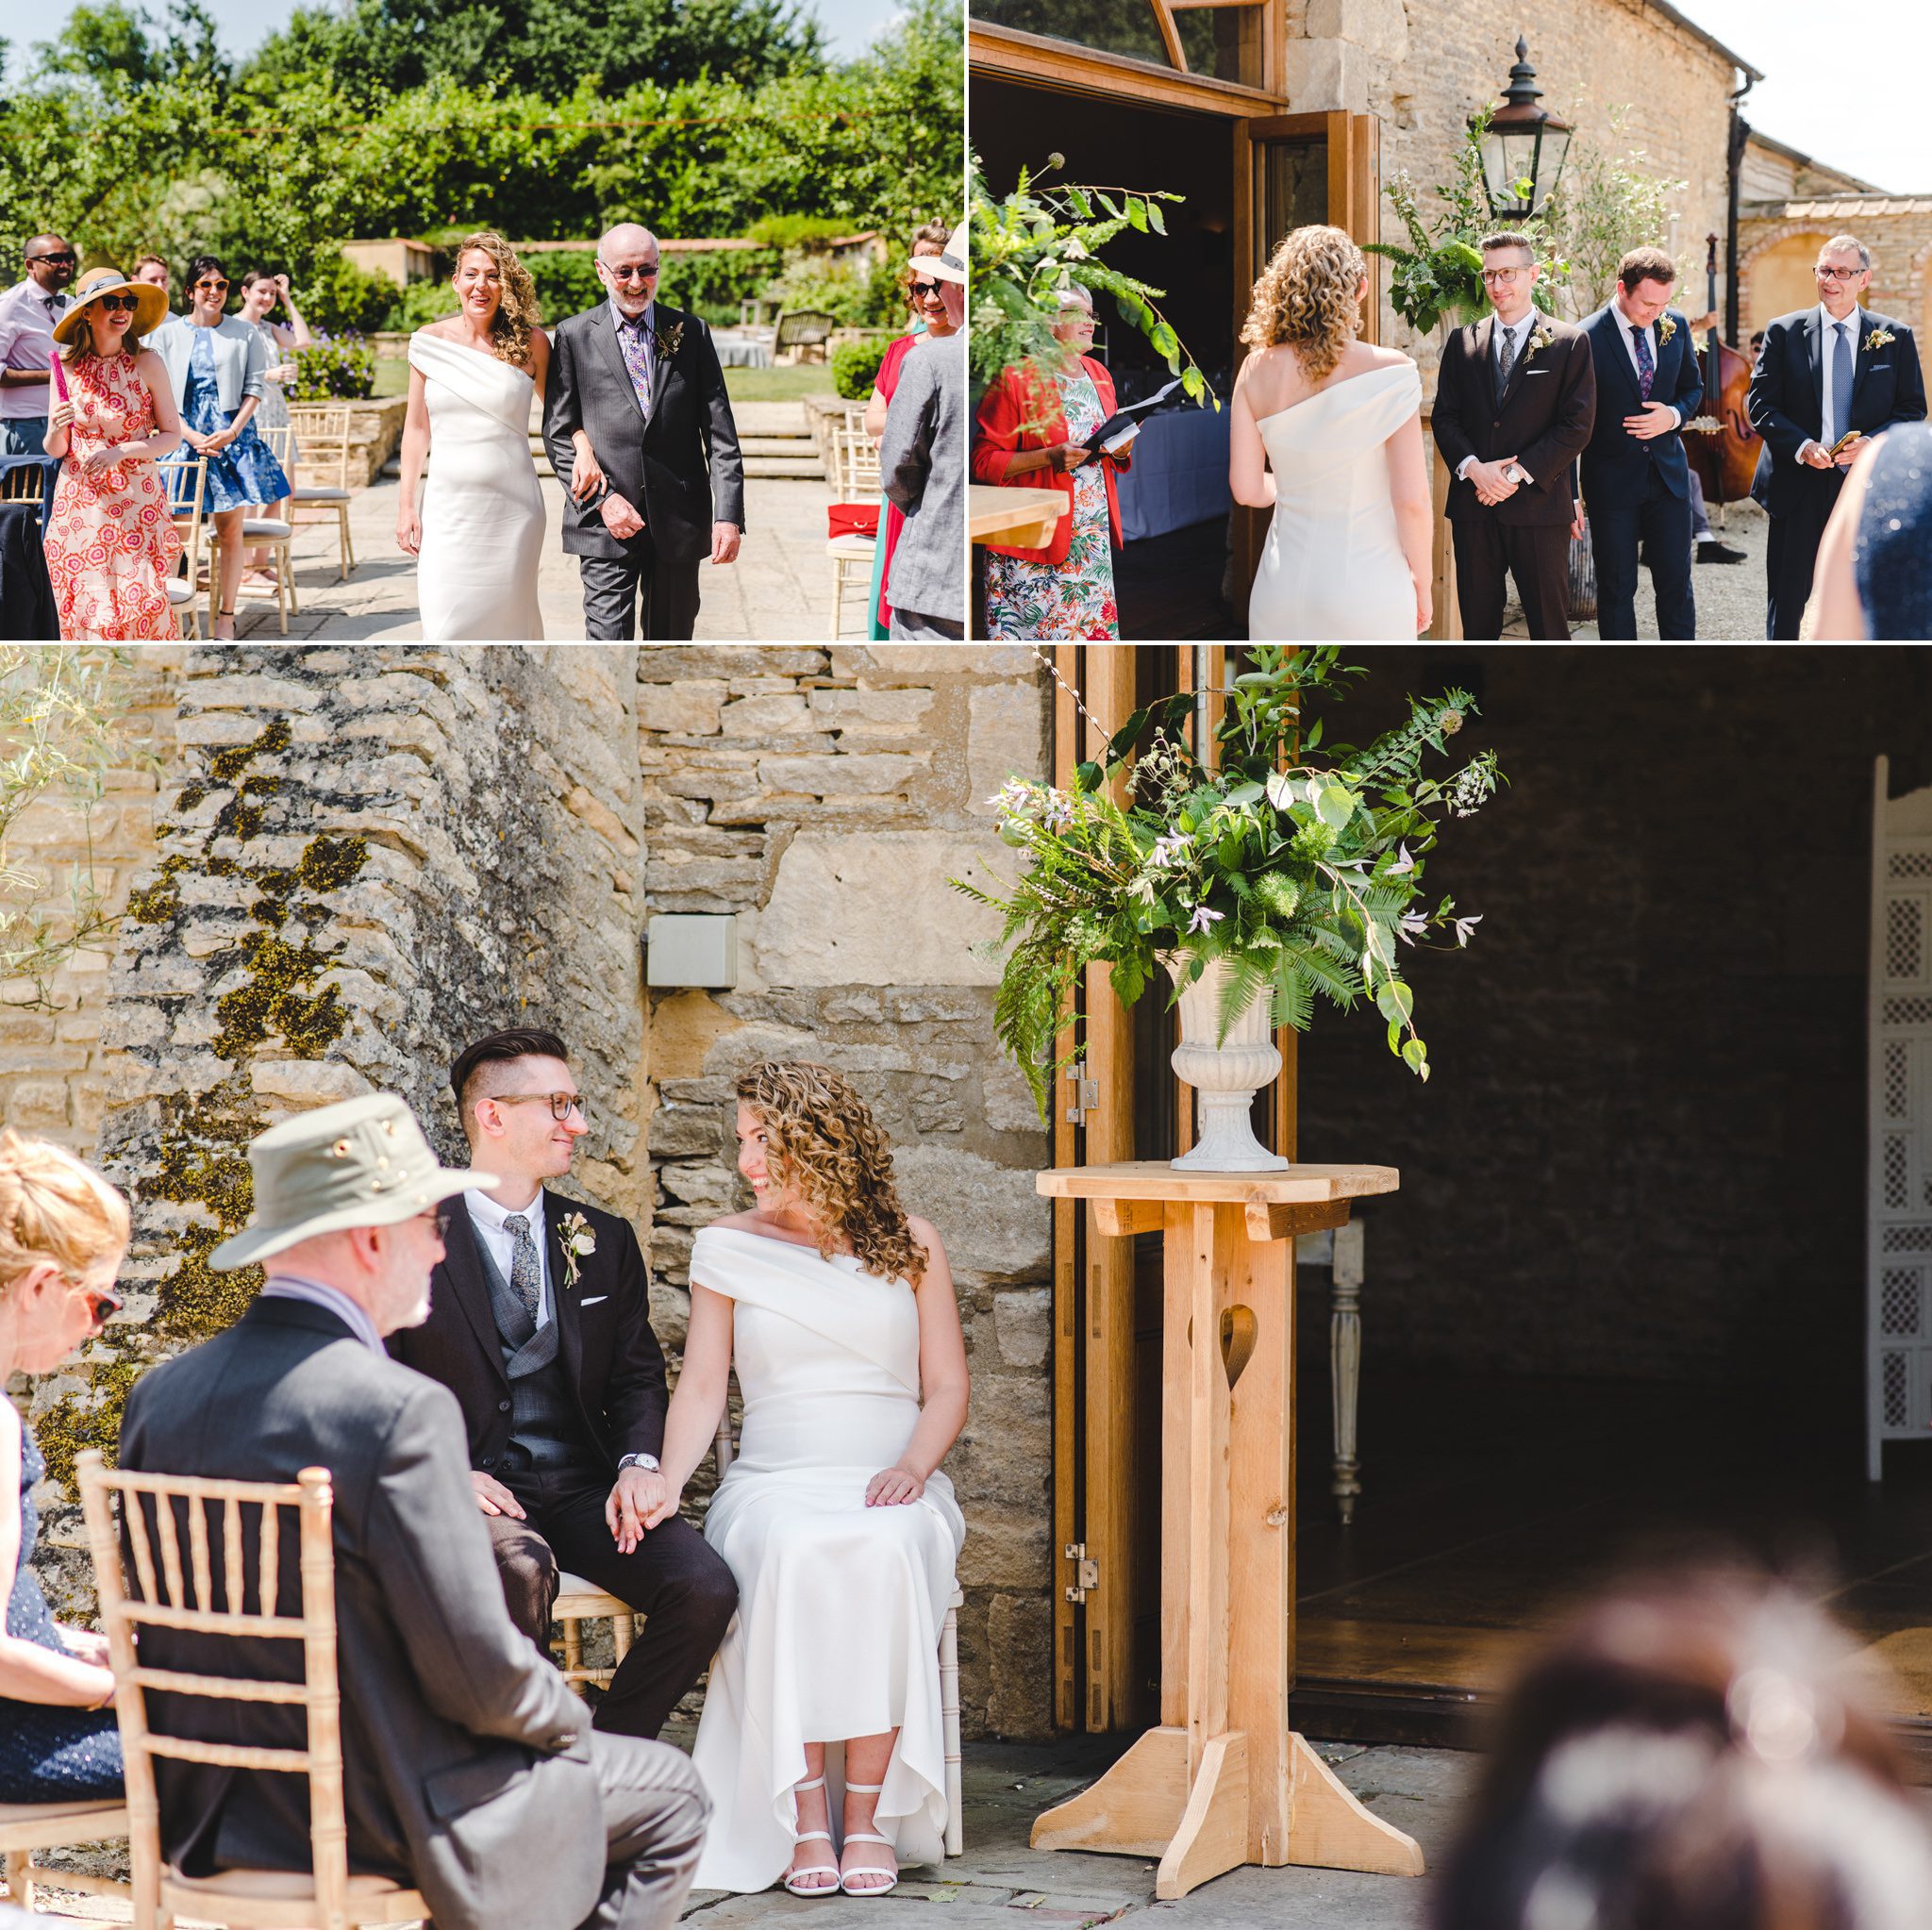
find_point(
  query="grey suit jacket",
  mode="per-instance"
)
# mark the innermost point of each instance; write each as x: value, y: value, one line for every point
x: 680, y: 469
x: 922, y: 464
x: 466, y: 1762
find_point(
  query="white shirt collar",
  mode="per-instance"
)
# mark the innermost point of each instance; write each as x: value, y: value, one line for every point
x: 491, y: 1216
x: 1627, y: 323
x: 1827, y: 321
x: 332, y: 1300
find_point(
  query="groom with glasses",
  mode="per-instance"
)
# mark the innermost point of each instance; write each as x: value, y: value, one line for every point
x: 641, y: 434
x: 28, y: 311
x: 540, y: 1324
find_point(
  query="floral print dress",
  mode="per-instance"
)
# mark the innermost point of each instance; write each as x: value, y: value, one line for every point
x: 1068, y: 602
x: 111, y: 542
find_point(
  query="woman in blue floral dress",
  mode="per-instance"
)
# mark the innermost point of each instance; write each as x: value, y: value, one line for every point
x: 218, y: 365
x: 63, y: 1235
x: 1033, y: 437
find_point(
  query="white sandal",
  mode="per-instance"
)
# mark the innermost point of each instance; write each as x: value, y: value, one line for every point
x: 791, y: 1878
x: 868, y: 1835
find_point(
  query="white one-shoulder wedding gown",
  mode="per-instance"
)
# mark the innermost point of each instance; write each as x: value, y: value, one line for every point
x: 482, y: 507
x: 839, y: 1606
x: 1332, y: 566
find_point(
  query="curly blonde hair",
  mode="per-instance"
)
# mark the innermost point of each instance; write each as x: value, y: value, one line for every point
x: 54, y: 1208
x: 1306, y: 298
x: 821, y: 1137
x: 517, y: 313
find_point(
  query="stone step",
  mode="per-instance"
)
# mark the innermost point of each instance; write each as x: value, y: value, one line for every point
x: 777, y: 445
x: 800, y: 468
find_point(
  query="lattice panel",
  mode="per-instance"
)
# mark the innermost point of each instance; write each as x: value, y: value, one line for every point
x: 1909, y: 864
x: 1894, y: 1397
x: 1898, y: 1078
x: 1904, y: 938
x: 1907, y: 1239
x: 1898, y: 1302
x: 1899, y: 1011
x: 1896, y: 1162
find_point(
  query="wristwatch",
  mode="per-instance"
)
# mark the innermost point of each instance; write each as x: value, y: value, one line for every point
x: 647, y: 1462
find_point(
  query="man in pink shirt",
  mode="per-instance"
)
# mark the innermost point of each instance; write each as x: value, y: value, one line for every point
x: 28, y: 311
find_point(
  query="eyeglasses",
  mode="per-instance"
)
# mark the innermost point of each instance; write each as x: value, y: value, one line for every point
x: 561, y: 1104
x: 65, y: 255
x: 925, y: 290
x: 103, y: 1302
x: 1504, y: 274
x: 128, y: 302
x: 637, y: 271
x: 212, y: 286
x: 1837, y: 274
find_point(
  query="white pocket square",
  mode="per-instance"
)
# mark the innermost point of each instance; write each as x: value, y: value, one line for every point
x: 595, y: 1300
x: 1529, y: 372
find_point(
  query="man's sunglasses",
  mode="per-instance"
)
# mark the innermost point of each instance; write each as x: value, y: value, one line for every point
x: 640, y: 273
x: 66, y: 255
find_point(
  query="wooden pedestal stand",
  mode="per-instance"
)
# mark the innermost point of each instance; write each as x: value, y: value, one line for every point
x: 1223, y: 1780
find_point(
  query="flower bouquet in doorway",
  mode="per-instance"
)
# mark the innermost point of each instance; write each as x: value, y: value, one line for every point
x: 1259, y: 881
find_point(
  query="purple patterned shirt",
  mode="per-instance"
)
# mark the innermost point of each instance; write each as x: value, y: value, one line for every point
x: 634, y: 339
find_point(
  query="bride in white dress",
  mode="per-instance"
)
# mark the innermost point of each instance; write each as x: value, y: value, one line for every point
x: 837, y: 1311
x: 1327, y: 433
x: 472, y: 378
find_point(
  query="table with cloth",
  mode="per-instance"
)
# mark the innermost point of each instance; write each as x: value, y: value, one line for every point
x: 1179, y: 474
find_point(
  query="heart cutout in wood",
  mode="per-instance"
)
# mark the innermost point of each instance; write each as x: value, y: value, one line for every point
x: 1237, y: 1341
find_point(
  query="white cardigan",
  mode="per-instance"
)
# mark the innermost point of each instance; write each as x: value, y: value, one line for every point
x: 241, y: 355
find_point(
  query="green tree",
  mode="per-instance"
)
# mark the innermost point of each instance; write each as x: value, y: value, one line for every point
x: 1610, y: 200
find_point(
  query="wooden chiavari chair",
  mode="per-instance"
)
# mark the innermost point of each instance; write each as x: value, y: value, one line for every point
x: 322, y: 430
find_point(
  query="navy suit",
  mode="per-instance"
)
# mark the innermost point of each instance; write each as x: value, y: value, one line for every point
x: 1787, y: 407
x: 1638, y: 493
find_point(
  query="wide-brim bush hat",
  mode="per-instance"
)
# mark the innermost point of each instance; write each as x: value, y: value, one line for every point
x: 363, y: 1163
x: 949, y: 264
x: 150, y: 303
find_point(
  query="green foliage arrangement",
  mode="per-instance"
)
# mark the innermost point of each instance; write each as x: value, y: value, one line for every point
x: 1037, y: 240
x: 1610, y: 199
x: 1439, y: 273
x: 856, y: 367
x: 1305, y: 874
x: 60, y: 731
x: 333, y: 366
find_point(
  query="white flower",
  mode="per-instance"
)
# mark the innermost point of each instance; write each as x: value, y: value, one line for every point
x: 579, y: 1241
x: 1171, y: 849
x: 1142, y: 890
x: 1204, y: 918
x: 1059, y: 813
x: 1411, y: 925
x: 1403, y: 862
x: 1013, y: 796
x: 1465, y: 925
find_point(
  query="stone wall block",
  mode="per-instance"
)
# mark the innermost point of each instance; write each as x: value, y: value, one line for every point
x: 767, y: 714
x: 1006, y: 738
x: 996, y: 1228
x: 865, y: 775
x: 872, y: 713
x: 690, y: 708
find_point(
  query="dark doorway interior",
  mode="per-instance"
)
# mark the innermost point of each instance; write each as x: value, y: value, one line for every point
x: 1176, y: 589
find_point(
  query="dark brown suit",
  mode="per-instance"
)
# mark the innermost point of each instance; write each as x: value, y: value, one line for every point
x: 1544, y: 418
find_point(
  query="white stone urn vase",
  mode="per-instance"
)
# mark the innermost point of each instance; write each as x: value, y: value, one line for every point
x: 1225, y: 1073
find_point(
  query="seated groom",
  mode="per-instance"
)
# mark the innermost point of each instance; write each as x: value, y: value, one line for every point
x: 540, y: 1323
x: 640, y: 431
x: 1636, y: 478
x: 1829, y: 376
x: 469, y: 1771
x: 1515, y: 403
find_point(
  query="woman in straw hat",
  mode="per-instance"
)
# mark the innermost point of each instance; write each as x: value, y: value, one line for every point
x: 63, y: 1235
x: 111, y: 544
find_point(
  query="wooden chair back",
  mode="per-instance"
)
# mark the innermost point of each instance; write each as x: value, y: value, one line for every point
x: 859, y: 462
x: 25, y: 482
x: 322, y: 430
x: 179, y: 1588
x: 281, y: 440
x: 186, y: 483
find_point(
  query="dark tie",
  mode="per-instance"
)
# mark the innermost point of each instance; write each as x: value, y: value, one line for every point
x: 1646, y: 369
x: 1508, y: 359
x: 526, y: 1276
x: 1841, y: 383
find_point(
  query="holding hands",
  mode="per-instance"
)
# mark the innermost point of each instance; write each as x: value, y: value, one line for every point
x: 640, y: 1500
x: 587, y: 474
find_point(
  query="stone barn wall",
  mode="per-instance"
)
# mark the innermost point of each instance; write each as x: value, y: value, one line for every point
x: 364, y: 856
x: 825, y: 796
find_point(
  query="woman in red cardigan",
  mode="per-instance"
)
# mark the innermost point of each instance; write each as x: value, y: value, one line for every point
x: 1033, y: 435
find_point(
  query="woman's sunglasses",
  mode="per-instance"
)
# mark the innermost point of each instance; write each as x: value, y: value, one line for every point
x: 925, y: 290
x: 119, y: 302
x: 102, y: 1303
x: 211, y: 288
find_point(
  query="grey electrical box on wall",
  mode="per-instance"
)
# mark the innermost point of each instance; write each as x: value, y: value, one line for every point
x: 692, y: 948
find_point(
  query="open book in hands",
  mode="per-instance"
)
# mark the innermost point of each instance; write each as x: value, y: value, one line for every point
x: 1118, y: 431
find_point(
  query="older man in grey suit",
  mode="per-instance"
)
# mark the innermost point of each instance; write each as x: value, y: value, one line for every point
x: 470, y: 1772
x: 640, y: 432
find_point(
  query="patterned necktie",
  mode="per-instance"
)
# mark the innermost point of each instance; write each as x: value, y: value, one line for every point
x: 1840, y: 385
x: 1646, y: 369
x: 635, y: 339
x: 1508, y: 354
x: 526, y: 1276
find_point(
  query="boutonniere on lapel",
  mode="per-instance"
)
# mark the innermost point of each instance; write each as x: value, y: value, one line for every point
x: 1539, y: 336
x: 579, y: 1243
x: 1665, y: 329
x: 669, y: 341
x: 1879, y: 337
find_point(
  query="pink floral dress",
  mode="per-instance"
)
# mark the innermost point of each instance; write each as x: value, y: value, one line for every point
x: 112, y: 544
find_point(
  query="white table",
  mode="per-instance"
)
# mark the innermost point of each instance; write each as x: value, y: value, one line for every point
x: 1179, y: 474
x: 742, y: 352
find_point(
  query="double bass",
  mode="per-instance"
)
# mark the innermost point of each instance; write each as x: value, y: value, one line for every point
x: 1719, y: 443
